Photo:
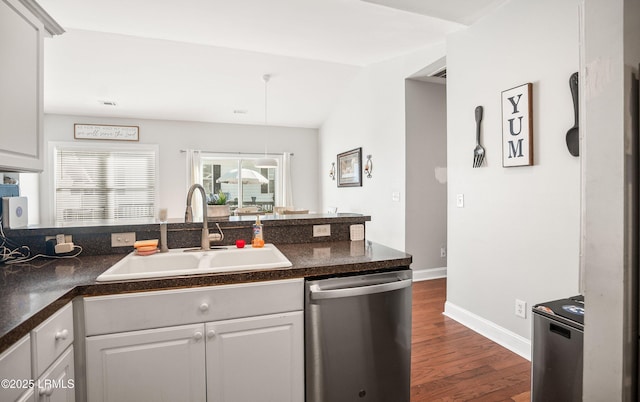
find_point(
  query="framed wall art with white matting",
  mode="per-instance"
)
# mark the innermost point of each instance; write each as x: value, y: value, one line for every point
x: 517, y: 126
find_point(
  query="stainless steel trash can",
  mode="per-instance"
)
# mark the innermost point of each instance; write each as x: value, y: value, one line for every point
x: 557, y: 346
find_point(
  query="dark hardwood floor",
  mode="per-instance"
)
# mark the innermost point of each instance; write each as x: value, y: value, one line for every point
x: 450, y: 362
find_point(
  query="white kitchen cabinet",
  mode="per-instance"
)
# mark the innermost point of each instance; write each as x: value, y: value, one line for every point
x: 50, y: 339
x: 164, y: 308
x: 256, y: 359
x: 21, y: 76
x: 239, y: 342
x: 57, y: 383
x: 52, y: 361
x: 164, y: 364
x: 15, y: 366
x: 42, y: 359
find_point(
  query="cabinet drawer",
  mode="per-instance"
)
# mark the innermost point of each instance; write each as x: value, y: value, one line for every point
x: 15, y: 365
x: 134, y: 311
x: 51, y: 338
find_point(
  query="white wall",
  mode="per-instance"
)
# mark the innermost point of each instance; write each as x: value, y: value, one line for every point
x: 172, y: 136
x: 518, y: 233
x: 371, y: 115
x: 426, y: 159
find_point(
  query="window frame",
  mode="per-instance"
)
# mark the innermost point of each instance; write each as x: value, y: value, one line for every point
x: 239, y: 158
x: 98, y: 147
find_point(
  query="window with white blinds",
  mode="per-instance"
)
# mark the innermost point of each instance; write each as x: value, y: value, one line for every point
x: 105, y: 184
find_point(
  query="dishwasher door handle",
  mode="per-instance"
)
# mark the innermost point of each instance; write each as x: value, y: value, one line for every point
x: 317, y: 294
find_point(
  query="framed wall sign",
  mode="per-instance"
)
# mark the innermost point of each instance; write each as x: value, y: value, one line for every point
x: 105, y: 132
x: 350, y: 168
x: 517, y: 126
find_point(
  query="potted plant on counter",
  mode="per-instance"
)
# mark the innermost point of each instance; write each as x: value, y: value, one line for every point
x: 217, y: 205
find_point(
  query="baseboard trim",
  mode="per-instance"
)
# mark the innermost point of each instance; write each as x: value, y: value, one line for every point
x: 425, y: 274
x: 488, y: 329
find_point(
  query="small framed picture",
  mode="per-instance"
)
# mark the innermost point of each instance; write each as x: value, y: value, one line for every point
x: 517, y: 126
x: 350, y: 168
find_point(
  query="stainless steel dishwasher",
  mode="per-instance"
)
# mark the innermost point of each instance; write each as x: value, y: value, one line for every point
x: 358, y: 338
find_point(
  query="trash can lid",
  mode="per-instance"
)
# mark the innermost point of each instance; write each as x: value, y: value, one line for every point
x: 571, y: 308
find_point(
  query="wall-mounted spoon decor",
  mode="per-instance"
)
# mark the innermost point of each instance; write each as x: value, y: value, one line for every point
x: 478, y: 152
x: 573, y: 138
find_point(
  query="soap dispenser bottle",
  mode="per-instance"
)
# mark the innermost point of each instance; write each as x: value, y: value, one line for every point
x: 258, y: 240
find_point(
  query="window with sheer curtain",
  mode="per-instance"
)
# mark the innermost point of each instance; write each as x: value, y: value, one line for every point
x: 245, y: 184
x: 106, y: 183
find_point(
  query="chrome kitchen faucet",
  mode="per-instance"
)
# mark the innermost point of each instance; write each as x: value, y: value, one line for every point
x: 188, y: 215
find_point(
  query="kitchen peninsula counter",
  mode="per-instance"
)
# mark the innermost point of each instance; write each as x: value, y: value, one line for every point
x: 96, y: 237
x: 179, y: 224
x: 31, y: 292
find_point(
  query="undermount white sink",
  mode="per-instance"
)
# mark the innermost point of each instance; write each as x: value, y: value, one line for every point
x: 178, y: 262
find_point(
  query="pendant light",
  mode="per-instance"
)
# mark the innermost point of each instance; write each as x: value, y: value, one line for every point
x: 265, y: 162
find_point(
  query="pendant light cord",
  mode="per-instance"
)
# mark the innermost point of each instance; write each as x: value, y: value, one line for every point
x: 266, y: 79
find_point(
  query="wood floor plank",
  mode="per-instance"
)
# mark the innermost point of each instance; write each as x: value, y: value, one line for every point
x: 450, y: 362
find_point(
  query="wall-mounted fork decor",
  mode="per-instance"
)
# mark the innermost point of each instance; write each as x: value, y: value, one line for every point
x: 478, y: 152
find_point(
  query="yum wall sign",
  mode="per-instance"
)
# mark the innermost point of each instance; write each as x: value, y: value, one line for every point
x: 517, y: 126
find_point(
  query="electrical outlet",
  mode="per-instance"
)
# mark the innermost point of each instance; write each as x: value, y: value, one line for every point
x: 356, y: 232
x: 321, y: 230
x: 443, y: 252
x: 123, y: 239
x: 521, y: 308
x: 460, y: 200
x: 61, y: 238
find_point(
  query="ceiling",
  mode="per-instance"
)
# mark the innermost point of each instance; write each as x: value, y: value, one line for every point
x: 203, y: 60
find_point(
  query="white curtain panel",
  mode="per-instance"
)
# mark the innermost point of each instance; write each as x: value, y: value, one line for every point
x: 194, y: 175
x: 287, y: 191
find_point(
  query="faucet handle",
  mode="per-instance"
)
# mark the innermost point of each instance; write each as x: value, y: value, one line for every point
x: 216, y: 236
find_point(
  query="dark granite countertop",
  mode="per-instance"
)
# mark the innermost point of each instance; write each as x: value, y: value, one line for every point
x: 30, y: 293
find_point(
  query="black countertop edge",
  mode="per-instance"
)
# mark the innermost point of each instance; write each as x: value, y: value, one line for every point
x: 78, y: 279
x: 176, y: 224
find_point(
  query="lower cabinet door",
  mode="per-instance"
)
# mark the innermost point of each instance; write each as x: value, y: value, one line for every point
x: 256, y: 359
x: 57, y: 383
x: 164, y: 364
x: 15, y: 365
